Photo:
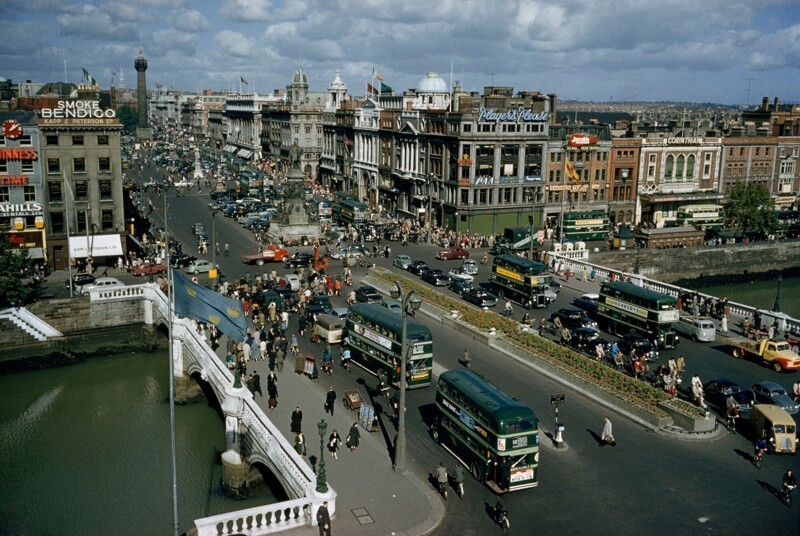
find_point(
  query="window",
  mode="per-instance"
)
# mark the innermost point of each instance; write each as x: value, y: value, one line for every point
x: 54, y: 192
x: 102, y: 140
x: 5, y: 196
x: 483, y: 196
x: 465, y: 196
x: 77, y: 140
x: 27, y: 166
x: 669, y: 168
x: 707, y: 165
x: 81, y: 191
x: 25, y: 141
x: 3, y: 166
x: 690, y: 167
x: 81, y: 217
x: 29, y: 193
x: 679, y: 167
x: 467, y: 127
x: 79, y: 165
x: 107, y: 220
x: 104, y: 163
x: 105, y: 189
x: 56, y: 222
x: 2, y: 140
x: 53, y: 165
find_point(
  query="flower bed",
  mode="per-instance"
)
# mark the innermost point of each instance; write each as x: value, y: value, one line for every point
x: 635, y: 392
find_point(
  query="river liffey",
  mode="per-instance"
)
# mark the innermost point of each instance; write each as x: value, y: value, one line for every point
x: 761, y: 294
x: 86, y: 450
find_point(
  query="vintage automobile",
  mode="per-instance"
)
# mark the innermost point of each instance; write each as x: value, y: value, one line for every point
x: 479, y: 297
x: 573, y: 318
x: 470, y: 267
x: 452, y: 254
x: 402, y: 261
x: 587, y: 302
x: 587, y: 339
x: 299, y: 260
x: 102, y: 283
x: 181, y: 260
x: 80, y: 279
x: 718, y: 390
x: 768, y: 392
x: 368, y: 294
x: 418, y: 268
x: 271, y: 253
x: 642, y: 344
x: 436, y: 278
x: 199, y: 266
x: 149, y: 268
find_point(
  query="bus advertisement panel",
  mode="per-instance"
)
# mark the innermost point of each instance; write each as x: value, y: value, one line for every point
x: 374, y: 337
x: 494, y: 435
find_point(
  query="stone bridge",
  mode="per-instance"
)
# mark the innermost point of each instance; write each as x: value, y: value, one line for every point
x: 253, y: 443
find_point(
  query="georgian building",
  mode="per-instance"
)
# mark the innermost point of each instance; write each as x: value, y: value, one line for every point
x: 769, y: 160
x: 623, y: 179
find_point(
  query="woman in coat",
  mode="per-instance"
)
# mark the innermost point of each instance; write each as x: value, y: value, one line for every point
x: 353, y: 437
x: 334, y: 442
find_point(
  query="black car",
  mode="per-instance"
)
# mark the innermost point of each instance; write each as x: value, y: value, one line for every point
x: 318, y: 305
x: 479, y: 297
x: 299, y: 260
x: 80, y: 279
x: 587, y: 339
x: 573, y: 318
x: 718, y: 390
x: 368, y: 294
x: 499, y: 249
x: 418, y: 268
x: 392, y: 235
x: 642, y: 344
x: 436, y: 277
x: 181, y: 260
x: 587, y: 302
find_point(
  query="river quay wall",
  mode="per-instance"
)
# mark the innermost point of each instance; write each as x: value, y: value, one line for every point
x: 670, y: 265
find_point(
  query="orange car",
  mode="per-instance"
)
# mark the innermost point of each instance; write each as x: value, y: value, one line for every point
x: 271, y: 253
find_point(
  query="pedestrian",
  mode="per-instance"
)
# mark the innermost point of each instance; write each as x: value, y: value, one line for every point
x: 297, y: 420
x: 673, y: 367
x: 300, y: 444
x: 330, y: 400
x: 272, y: 392
x: 257, y: 384
x: 467, y: 358
x: 324, y: 520
x: 299, y: 363
x: 680, y: 365
x: 280, y: 357
x: 608, y: 435
x: 353, y: 437
x: 723, y: 325
x: 334, y: 442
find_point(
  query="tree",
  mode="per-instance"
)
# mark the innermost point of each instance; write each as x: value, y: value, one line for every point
x: 750, y: 208
x: 15, y: 289
x: 128, y: 118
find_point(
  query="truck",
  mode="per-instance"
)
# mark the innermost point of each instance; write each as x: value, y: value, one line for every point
x: 697, y: 328
x: 776, y: 354
x: 516, y: 238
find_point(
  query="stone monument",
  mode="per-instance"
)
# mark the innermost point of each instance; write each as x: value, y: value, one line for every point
x: 294, y: 220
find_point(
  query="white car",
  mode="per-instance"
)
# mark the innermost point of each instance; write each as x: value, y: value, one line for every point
x: 184, y: 183
x: 292, y: 281
x: 102, y: 283
x: 402, y: 261
x: 470, y: 267
x: 200, y: 266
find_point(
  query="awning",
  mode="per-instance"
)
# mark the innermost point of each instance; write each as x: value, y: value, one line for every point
x: 101, y: 246
x: 679, y: 198
x: 244, y: 153
x: 230, y: 148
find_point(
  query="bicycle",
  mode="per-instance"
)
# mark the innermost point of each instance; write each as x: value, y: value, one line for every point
x: 758, y: 458
x: 786, y: 494
x: 502, y: 520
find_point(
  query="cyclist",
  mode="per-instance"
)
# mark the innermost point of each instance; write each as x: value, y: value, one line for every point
x: 732, y: 410
x: 789, y: 483
x: 227, y: 249
x: 509, y: 310
x: 759, y: 447
x: 346, y: 359
x: 441, y: 479
x: 459, y: 478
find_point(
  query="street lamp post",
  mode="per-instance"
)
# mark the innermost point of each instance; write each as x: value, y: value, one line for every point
x: 430, y: 205
x: 213, y: 273
x: 400, y: 443
x: 322, y: 484
x: 776, y: 307
x: 638, y: 249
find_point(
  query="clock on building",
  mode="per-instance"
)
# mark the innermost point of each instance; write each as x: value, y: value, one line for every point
x: 12, y: 129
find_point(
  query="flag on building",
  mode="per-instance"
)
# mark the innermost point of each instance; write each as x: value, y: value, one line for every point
x: 572, y: 174
x: 371, y: 90
x: 385, y: 88
x: 89, y: 79
x: 204, y: 305
x: 377, y: 75
x: 243, y: 81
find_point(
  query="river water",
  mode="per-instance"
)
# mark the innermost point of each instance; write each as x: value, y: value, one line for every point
x: 86, y: 450
x: 761, y: 294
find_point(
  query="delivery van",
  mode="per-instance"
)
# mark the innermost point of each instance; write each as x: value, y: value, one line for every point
x: 331, y: 328
x: 776, y: 426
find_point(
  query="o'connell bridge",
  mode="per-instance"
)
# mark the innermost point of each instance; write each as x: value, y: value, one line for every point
x: 253, y: 442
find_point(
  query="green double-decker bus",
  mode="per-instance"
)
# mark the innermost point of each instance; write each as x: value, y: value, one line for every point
x: 521, y: 280
x: 493, y: 434
x: 353, y: 212
x: 587, y: 225
x: 374, y: 336
x: 338, y: 199
x: 624, y: 307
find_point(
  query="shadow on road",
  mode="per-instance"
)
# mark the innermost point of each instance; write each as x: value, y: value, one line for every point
x: 596, y: 437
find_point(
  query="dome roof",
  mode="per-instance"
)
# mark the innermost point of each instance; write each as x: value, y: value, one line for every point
x: 337, y: 83
x: 299, y: 77
x: 432, y: 83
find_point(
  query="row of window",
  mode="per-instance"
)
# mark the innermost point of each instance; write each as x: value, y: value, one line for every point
x: 52, y: 140
x: 58, y: 225
x: 80, y: 191
x: 28, y: 194
x: 54, y: 165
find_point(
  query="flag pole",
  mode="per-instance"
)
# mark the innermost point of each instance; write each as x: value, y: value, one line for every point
x: 175, y: 524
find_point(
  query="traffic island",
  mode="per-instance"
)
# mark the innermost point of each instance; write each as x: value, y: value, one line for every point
x: 688, y: 417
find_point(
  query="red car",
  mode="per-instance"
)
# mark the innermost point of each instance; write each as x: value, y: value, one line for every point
x: 452, y: 254
x: 272, y: 253
x: 149, y: 268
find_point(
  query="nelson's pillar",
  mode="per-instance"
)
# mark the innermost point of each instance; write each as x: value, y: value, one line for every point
x: 142, y: 127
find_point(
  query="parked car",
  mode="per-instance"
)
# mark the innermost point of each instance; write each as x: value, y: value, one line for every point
x: 200, y: 266
x: 393, y: 305
x: 198, y: 228
x: 181, y: 260
x: 768, y: 392
x: 436, y: 277
x: 642, y: 344
x: 149, y: 268
x: 718, y: 390
x: 469, y: 267
x: 479, y: 297
x: 299, y: 260
x: 587, y: 339
x: 80, y: 279
x: 402, y: 261
x: 452, y: 254
x: 418, y: 268
x: 102, y: 283
x: 392, y: 235
x: 573, y: 318
x: 368, y: 294
x: 587, y: 302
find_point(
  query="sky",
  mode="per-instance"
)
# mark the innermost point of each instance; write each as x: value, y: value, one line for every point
x: 722, y: 51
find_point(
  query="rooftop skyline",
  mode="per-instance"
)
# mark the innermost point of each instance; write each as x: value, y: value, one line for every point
x: 616, y: 51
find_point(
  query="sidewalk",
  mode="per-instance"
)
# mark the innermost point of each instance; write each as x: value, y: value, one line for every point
x: 372, y: 499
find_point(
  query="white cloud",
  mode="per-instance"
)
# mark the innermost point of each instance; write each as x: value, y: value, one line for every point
x: 235, y: 44
x: 190, y: 21
x: 246, y: 10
